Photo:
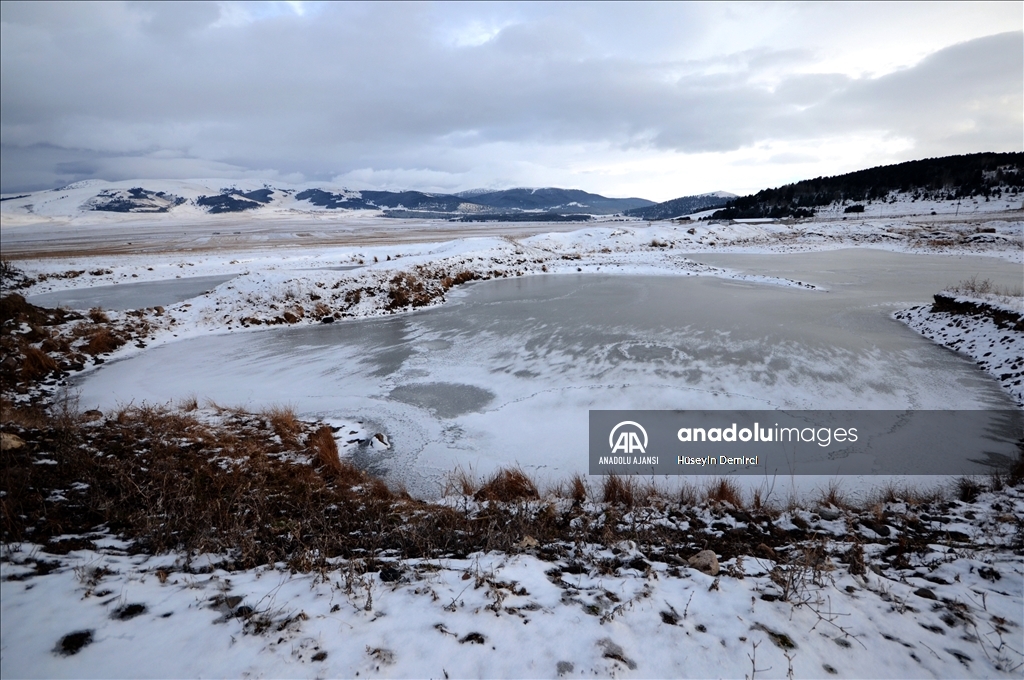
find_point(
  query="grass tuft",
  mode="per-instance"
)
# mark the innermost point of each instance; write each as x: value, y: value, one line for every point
x: 459, y: 482
x: 619, y: 490
x: 507, y: 485
x: 578, y: 488
x: 833, y: 495
x: 325, y: 450
x: 285, y: 424
x: 968, y: 488
x: 36, y: 364
x: 101, y: 341
x: 724, y: 490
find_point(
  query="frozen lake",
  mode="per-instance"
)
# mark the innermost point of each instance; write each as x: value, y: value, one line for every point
x: 124, y: 296
x: 507, y: 371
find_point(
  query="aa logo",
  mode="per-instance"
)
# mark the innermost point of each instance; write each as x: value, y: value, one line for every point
x: 629, y: 438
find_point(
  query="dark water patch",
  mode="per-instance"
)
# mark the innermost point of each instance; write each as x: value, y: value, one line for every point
x: 444, y: 400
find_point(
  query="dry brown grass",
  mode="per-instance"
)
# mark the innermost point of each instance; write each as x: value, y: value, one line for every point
x: 578, y: 488
x: 102, y: 340
x: 97, y: 315
x: 285, y: 424
x: 619, y: 490
x: 973, y: 286
x: 833, y: 495
x: 325, y: 450
x: 23, y: 415
x: 724, y: 490
x: 459, y: 482
x: 689, y: 494
x: 507, y: 485
x: 36, y: 363
x: 189, y: 403
x: 166, y: 480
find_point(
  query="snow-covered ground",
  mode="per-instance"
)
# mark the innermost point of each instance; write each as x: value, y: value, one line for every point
x: 937, y: 611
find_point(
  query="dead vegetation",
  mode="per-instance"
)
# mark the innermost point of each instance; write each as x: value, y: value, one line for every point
x: 269, y: 487
x: 40, y: 344
x: 973, y: 286
x: 423, y: 286
x: 508, y: 485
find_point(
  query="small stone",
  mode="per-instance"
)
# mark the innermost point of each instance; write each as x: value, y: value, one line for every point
x: 705, y: 561
x: 527, y: 542
x: 10, y: 442
x: 926, y: 593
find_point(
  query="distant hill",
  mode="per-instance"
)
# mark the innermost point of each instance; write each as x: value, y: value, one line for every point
x: 685, y: 205
x: 947, y: 178
x: 555, y: 200
x: 184, y: 197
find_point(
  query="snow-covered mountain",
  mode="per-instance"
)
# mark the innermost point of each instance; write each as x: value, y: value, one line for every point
x: 211, y: 197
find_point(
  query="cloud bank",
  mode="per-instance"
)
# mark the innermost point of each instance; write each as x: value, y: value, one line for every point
x: 656, y: 101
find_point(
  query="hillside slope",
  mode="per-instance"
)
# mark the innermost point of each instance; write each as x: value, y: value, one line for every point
x: 991, y: 175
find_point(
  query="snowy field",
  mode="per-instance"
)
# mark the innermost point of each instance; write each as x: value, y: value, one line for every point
x: 502, y: 369
x: 954, y: 614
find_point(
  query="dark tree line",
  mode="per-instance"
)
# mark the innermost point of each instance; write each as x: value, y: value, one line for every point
x: 678, y: 206
x: 948, y: 178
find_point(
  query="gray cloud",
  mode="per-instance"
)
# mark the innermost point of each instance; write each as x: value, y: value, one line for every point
x: 424, y: 92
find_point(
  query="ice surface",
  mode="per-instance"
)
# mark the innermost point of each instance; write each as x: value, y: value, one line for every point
x: 130, y: 295
x: 506, y: 372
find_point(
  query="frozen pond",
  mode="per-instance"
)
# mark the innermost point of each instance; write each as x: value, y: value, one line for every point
x: 507, y: 371
x: 123, y: 296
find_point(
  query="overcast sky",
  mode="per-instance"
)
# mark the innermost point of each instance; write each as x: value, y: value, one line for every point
x: 656, y: 101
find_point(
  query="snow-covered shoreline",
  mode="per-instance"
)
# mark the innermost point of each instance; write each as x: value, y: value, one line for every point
x: 990, y: 331
x: 269, y: 283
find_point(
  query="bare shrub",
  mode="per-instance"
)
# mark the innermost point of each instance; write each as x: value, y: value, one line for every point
x: 506, y: 485
x: 973, y: 286
x: 463, y: 277
x: 407, y: 289
x: 619, y: 490
x: 97, y: 315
